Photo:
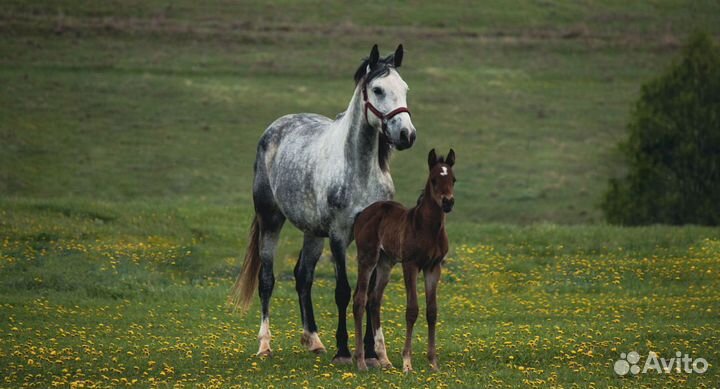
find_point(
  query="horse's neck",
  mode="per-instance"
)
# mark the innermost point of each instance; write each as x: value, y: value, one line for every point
x: 428, y: 215
x: 359, y: 140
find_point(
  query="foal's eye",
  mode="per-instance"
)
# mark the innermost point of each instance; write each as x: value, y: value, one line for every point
x: 377, y: 90
x: 454, y: 180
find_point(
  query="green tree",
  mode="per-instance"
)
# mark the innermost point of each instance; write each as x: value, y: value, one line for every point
x: 673, y: 148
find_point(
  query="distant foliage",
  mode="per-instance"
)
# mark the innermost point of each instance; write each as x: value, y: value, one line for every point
x: 673, y: 149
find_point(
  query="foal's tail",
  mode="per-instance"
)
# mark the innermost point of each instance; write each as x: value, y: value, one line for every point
x: 247, y: 280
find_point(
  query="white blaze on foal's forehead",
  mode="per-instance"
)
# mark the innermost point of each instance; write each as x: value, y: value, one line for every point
x: 444, y: 171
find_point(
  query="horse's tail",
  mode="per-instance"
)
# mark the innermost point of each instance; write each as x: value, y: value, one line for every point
x: 247, y: 281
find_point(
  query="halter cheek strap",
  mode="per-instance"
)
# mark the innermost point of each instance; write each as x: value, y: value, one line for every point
x: 384, y: 118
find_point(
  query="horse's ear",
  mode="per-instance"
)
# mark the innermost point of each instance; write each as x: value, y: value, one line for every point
x: 450, y: 160
x: 398, y: 57
x: 432, y: 159
x: 374, y: 56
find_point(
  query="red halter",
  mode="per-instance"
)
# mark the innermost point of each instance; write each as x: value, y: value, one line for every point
x: 383, y: 118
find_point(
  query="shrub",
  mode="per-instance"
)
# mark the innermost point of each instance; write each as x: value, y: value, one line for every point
x: 673, y: 148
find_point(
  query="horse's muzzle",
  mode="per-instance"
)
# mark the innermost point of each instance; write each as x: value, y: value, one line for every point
x: 447, y: 204
x: 407, y: 138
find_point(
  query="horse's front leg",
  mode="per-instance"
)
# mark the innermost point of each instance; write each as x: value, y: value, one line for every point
x: 432, y: 277
x: 371, y: 357
x: 410, y: 273
x: 342, y: 299
x: 304, y: 274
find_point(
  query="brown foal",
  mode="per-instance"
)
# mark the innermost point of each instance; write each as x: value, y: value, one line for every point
x: 386, y: 232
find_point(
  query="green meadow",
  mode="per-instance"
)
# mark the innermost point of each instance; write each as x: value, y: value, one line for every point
x: 127, y: 138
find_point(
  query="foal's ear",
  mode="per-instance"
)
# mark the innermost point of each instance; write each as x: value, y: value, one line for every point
x: 398, y: 57
x: 450, y: 160
x: 432, y: 159
x: 374, y: 56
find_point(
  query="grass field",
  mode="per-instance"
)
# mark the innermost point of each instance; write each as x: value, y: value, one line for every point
x: 127, y: 136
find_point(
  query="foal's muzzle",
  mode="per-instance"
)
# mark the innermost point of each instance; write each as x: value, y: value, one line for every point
x: 447, y: 204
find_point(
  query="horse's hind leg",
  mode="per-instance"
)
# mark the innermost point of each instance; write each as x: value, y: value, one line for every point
x: 269, y: 233
x: 304, y: 273
x: 375, y: 303
x: 270, y: 221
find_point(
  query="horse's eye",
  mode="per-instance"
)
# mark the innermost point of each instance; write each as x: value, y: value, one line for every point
x: 454, y: 180
x: 378, y: 91
x: 433, y: 181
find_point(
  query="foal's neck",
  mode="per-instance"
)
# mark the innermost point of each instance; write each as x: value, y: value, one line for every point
x: 429, y: 215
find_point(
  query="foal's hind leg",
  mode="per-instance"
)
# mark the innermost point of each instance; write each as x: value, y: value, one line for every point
x: 375, y: 303
x: 304, y: 273
x: 371, y: 357
x: 366, y: 263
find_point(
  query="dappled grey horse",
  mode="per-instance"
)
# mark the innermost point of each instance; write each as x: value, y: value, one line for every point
x: 319, y: 173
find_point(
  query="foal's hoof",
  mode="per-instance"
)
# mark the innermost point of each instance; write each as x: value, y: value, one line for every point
x: 340, y: 360
x: 312, y: 342
x: 372, y: 362
x: 264, y: 353
x: 386, y: 364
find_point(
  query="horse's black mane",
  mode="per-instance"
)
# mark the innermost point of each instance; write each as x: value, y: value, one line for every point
x: 381, y: 69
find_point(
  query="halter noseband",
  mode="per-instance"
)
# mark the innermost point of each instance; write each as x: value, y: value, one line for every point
x: 384, y: 119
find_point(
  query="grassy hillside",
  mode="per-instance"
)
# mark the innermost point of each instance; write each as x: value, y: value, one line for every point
x: 148, y: 100
x: 99, y: 294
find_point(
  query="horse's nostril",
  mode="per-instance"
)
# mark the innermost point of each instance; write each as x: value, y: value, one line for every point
x: 412, y: 137
x: 404, y: 134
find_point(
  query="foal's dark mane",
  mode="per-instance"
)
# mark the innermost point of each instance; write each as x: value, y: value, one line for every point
x: 381, y: 69
x: 420, y: 198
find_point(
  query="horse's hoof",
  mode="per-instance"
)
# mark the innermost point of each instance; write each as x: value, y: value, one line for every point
x: 265, y: 353
x: 362, y: 367
x: 434, y: 368
x: 340, y: 360
x: 312, y: 342
x: 407, y: 369
x: 372, y: 362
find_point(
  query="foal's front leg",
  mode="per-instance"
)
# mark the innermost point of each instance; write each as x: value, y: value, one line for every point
x: 432, y: 277
x: 410, y: 273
